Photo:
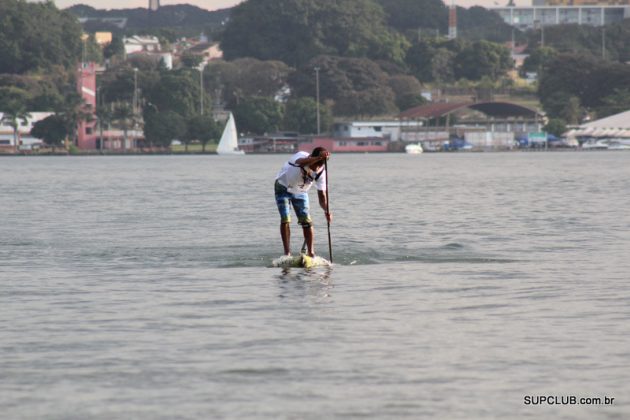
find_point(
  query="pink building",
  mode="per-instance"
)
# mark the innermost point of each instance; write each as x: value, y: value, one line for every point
x: 347, y: 144
x: 86, y: 86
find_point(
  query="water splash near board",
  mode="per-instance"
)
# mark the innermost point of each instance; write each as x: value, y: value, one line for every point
x: 300, y: 261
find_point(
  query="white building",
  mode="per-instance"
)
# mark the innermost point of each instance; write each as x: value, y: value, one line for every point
x: 24, y: 130
x: 386, y: 129
x: 139, y: 43
x: 535, y: 17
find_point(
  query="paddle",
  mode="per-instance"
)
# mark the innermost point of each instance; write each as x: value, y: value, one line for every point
x: 328, y: 211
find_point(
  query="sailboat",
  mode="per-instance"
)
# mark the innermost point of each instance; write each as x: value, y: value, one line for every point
x: 229, y: 139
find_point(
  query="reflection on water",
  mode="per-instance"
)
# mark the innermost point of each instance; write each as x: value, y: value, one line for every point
x: 299, y: 282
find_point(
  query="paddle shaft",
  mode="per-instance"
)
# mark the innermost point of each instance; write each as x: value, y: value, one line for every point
x: 328, y: 212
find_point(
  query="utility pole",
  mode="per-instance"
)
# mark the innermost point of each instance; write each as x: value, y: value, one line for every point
x: 317, y: 97
x: 202, y: 65
x: 135, y: 108
x: 603, y: 42
x: 135, y: 90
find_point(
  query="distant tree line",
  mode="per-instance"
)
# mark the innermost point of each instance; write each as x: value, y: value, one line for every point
x: 573, y: 86
x: 370, y: 57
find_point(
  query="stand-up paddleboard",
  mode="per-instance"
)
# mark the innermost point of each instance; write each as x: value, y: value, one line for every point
x: 301, y: 260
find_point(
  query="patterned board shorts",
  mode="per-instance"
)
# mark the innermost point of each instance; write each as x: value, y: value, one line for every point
x: 285, y: 199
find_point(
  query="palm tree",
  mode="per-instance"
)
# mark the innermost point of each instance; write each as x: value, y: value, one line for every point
x: 104, y: 117
x: 12, y: 117
x: 124, y: 116
x: 13, y: 105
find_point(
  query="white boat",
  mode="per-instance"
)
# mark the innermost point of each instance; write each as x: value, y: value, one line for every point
x: 618, y: 145
x: 595, y: 144
x: 414, y: 149
x: 228, y: 145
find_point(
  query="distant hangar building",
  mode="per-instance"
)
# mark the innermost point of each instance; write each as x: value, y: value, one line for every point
x: 484, y: 125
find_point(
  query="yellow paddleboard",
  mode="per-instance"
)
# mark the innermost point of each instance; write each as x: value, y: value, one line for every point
x: 301, y: 260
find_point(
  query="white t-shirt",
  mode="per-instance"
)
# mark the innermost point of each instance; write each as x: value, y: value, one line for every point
x: 299, y: 180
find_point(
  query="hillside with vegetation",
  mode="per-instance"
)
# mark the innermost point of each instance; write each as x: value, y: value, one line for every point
x: 373, y: 58
x: 180, y: 20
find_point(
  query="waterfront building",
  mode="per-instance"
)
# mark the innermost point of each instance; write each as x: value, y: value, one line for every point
x: 484, y: 124
x: 581, y: 2
x: 24, y: 139
x: 347, y: 144
x: 391, y: 130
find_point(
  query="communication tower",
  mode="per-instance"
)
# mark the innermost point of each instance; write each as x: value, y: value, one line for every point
x: 452, y: 21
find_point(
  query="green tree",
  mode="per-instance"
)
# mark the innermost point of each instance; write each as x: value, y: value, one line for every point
x: 202, y: 128
x: 354, y: 86
x: 73, y: 111
x: 410, y: 100
x: 161, y: 128
x: 618, y: 101
x: 246, y: 77
x: 258, y: 115
x: 177, y: 91
x: 91, y: 50
x: 13, y: 107
x: 564, y: 106
x: 114, y: 48
x: 24, y: 47
x: 419, y: 58
x: 407, y: 91
x: 117, y: 84
x: 442, y: 65
x: 481, y: 59
x: 125, y: 118
x: 301, y: 116
x: 295, y: 31
x: 556, y: 126
x: 538, y: 59
x: 52, y: 130
x: 409, y: 15
x: 190, y: 60
x: 104, y: 117
x: 587, y: 78
x: 433, y: 60
x: 478, y: 23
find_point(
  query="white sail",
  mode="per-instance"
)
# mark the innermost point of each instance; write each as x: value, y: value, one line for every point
x: 414, y: 149
x: 229, y: 139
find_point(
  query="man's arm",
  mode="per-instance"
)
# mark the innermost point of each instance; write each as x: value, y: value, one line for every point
x: 323, y: 204
x: 309, y: 160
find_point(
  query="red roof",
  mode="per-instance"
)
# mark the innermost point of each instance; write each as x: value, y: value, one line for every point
x: 491, y: 108
x: 433, y: 110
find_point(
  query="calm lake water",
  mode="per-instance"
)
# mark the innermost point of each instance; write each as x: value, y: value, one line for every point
x: 139, y: 287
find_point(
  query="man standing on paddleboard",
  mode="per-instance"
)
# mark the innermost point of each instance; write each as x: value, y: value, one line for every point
x: 291, y: 188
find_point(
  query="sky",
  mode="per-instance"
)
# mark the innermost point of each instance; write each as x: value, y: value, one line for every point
x: 222, y: 4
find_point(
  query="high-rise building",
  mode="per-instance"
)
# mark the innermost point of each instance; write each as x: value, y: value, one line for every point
x: 154, y: 5
x: 562, y: 12
x: 581, y: 3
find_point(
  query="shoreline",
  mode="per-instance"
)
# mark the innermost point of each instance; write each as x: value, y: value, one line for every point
x: 178, y: 153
